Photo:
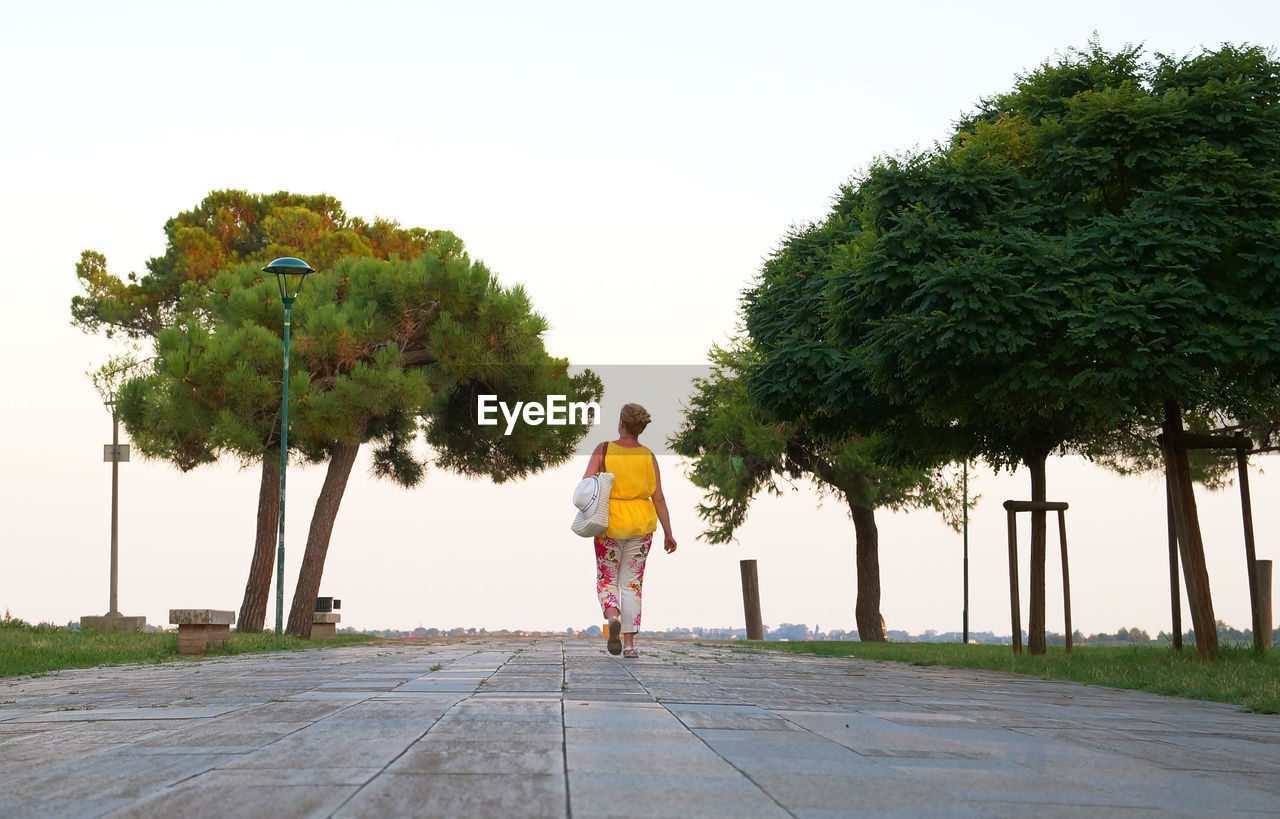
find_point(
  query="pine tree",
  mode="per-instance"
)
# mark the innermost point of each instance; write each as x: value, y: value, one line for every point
x: 384, y: 349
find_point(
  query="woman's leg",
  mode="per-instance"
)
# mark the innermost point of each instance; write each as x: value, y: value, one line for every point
x: 607, y: 570
x: 633, y: 552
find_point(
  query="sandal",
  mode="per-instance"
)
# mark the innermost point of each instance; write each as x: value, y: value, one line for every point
x: 615, y: 636
x: 630, y: 653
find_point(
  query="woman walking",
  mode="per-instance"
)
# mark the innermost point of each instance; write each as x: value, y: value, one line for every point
x: 636, y: 506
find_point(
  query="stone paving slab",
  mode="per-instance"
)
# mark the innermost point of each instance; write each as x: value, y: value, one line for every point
x: 559, y: 728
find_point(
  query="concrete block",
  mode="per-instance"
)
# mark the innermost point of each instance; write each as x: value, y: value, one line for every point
x: 198, y: 628
x: 192, y: 638
x: 323, y: 631
x: 113, y: 622
x: 326, y: 617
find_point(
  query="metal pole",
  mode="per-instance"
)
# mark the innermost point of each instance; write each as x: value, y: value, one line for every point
x: 966, y: 553
x: 115, y: 510
x: 284, y: 463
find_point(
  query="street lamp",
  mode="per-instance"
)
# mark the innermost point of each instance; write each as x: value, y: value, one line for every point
x: 289, y: 273
x: 114, y: 453
x: 117, y: 455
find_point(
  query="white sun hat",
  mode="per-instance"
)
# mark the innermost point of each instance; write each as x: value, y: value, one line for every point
x: 591, y: 496
x: 585, y: 493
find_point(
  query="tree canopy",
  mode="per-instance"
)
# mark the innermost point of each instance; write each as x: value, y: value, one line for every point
x: 786, y: 403
x: 392, y: 341
x: 738, y: 449
x: 381, y: 349
x: 1089, y: 252
x: 227, y: 228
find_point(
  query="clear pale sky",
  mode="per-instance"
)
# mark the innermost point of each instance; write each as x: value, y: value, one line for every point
x: 599, y: 154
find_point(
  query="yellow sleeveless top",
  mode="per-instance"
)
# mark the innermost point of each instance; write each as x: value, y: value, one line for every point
x: 631, y: 510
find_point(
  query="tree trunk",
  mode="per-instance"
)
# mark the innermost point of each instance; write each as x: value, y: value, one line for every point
x: 1187, y: 527
x: 335, y: 483
x: 253, y: 609
x: 1035, y: 461
x: 867, y: 607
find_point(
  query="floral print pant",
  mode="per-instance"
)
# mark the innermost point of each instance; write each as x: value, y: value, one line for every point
x: 620, y: 574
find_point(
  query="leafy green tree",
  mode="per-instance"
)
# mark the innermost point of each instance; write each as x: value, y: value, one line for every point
x: 1176, y: 163
x: 384, y: 349
x: 848, y: 438
x: 221, y: 358
x: 739, y: 450
x: 954, y: 301
x: 228, y: 228
x: 1098, y: 245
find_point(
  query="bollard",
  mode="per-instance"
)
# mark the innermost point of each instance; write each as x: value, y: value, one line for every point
x: 1264, y: 600
x: 751, y: 599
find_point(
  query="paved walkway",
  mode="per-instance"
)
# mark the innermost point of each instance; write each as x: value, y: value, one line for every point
x: 560, y: 728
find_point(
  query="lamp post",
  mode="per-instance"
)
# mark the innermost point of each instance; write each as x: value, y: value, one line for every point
x: 289, y: 272
x: 114, y: 453
x: 114, y: 609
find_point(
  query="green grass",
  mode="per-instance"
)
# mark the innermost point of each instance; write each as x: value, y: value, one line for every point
x: 26, y: 649
x: 1238, y: 676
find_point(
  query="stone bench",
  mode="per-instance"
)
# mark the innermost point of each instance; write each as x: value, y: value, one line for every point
x: 324, y: 625
x: 199, y: 628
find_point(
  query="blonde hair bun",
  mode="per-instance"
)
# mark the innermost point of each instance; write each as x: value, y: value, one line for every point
x: 634, y: 418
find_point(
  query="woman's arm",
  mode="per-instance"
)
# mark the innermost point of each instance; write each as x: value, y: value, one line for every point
x: 595, y: 465
x: 660, y: 504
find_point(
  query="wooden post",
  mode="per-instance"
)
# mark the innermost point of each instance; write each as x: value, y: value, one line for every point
x: 1264, y: 599
x: 751, y: 599
x: 1184, y: 532
x: 1013, y: 507
x: 1250, y: 555
x: 1175, y: 597
x: 1066, y: 576
x: 1190, y: 542
x: 1014, y: 606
